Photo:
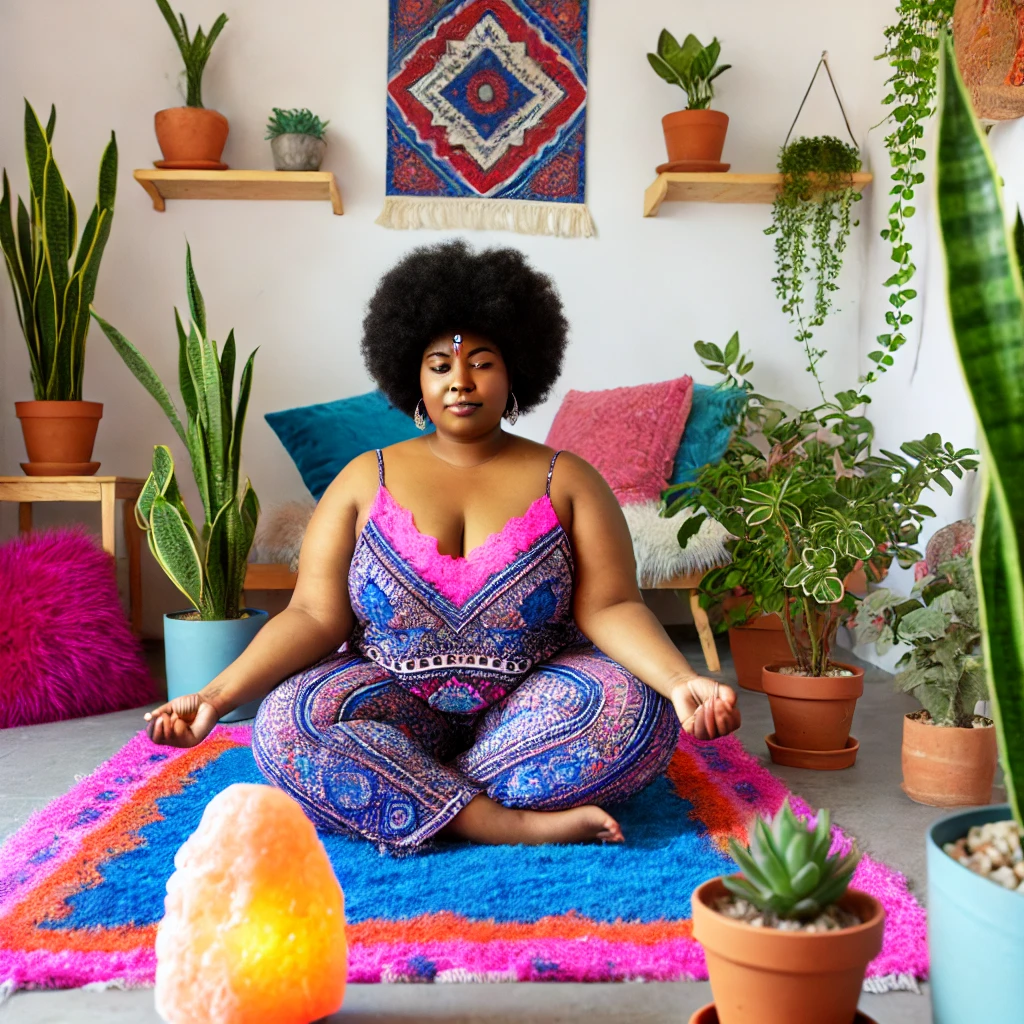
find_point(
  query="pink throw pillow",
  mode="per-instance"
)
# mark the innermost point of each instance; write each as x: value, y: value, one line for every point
x: 629, y: 435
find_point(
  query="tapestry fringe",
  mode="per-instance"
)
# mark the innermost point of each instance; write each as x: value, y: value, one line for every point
x: 527, y: 217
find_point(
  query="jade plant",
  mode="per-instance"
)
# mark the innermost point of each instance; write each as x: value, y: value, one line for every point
x: 943, y: 668
x: 295, y: 122
x: 53, y: 272
x: 986, y: 302
x: 692, y: 66
x: 807, y: 501
x: 787, y: 869
x: 195, y: 51
x: 207, y: 565
x: 811, y: 221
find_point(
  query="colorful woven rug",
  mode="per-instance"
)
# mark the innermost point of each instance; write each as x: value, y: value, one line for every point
x: 487, y: 115
x: 82, y: 883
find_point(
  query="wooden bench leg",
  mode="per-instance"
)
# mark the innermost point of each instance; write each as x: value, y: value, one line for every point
x: 133, y: 541
x: 24, y: 517
x: 707, y: 637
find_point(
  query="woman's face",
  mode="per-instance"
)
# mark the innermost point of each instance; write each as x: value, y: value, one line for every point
x: 465, y: 386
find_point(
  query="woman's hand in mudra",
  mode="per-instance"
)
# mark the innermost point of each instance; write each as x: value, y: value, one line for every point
x: 706, y: 708
x: 182, y: 722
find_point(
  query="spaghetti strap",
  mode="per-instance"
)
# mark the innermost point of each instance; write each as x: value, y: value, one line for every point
x: 380, y: 467
x: 551, y: 470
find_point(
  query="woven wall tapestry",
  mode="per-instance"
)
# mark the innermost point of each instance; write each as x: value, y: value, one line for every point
x: 487, y: 115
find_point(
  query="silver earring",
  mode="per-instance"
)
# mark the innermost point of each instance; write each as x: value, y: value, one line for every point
x: 513, y: 413
x: 419, y: 417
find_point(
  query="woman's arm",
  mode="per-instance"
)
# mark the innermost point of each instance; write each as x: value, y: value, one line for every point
x: 317, y: 621
x: 611, y: 613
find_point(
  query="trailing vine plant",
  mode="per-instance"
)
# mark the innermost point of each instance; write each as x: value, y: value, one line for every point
x: 912, y: 50
x: 811, y: 221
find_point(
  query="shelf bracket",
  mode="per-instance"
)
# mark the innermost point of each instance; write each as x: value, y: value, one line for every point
x: 655, y: 196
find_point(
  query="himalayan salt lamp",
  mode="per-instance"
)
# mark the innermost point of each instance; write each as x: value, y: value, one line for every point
x: 254, y: 923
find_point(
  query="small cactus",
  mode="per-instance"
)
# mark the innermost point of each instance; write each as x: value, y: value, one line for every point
x: 787, y: 869
x: 295, y: 122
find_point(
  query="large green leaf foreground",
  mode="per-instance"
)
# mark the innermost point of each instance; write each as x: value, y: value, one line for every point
x: 986, y: 303
x: 207, y: 566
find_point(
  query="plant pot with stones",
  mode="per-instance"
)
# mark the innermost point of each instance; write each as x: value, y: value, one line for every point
x: 813, y: 715
x: 787, y: 942
x: 296, y: 139
x: 975, y: 918
x: 948, y: 766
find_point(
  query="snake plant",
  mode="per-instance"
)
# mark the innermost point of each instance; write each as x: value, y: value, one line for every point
x: 195, y: 52
x: 53, y: 282
x: 787, y: 869
x: 207, y: 566
x: 986, y: 302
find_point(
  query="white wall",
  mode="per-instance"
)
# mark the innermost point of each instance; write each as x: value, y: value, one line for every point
x: 294, y: 280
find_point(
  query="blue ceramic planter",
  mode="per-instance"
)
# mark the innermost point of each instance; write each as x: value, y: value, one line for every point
x: 975, y: 932
x: 196, y: 652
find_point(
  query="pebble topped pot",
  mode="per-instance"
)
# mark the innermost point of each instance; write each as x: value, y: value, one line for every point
x: 948, y: 767
x: 770, y: 976
x: 975, y: 931
x: 295, y: 151
x: 196, y: 652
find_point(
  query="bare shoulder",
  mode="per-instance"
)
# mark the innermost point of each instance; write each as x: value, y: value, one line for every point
x: 577, y: 478
x: 354, y: 486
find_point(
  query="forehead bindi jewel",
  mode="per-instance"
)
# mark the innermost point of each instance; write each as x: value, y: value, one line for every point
x: 456, y: 343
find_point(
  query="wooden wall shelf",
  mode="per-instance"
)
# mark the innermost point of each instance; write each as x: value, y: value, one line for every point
x: 304, y: 185
x: 721, y: 188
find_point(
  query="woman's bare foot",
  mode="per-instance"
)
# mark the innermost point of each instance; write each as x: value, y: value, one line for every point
x: 483, y: 820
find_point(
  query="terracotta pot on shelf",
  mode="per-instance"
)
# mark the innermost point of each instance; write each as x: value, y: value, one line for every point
x: 191, y: 136
x: 695, y: 135
x: 812, y: 716
x: 945, y: 766
x: 59, y: 437
x: 768, y: 976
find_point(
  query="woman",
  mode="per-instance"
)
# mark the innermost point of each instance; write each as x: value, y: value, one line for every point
x: 500, y: 678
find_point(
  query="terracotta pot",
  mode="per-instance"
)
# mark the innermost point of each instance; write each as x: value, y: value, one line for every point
x: 191, y: 135
x: 755, y: 644
x: 812, y: 712
x: 948, y: 767
x: 767, y: 976
x: 695, y: 135
x: 61, y: 432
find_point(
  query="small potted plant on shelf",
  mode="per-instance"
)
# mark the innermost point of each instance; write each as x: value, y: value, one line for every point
x: 787, y: 941
x: 949, y: 753
x: 207, y: 566
x: 191, y: 136
x: 53, y: 275
x: 694, y: 137
x: 808, y: 505
x: 975, y: 907
x: 296, y: 139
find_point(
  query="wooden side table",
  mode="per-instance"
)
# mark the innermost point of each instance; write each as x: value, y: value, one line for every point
x: 107, y: 490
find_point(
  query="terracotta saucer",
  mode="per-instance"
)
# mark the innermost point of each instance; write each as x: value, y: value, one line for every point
x: 190, y: 165
x: 692, y: 166
x: 60, y: 468
x: 709, y: 1015
x: 822, y: 760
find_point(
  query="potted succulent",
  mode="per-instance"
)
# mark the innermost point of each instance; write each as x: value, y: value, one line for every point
x: 296, y: 139
x: 787, y: 941
x: 949, y: 753
x: 694, y: 137
x: 191, y: 136
x: 808, y: 504
x: 53, y: 275
x: 975, y: 919
x: 208, y: 565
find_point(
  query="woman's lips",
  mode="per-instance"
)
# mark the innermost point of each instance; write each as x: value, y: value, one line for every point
x: 463, y: 408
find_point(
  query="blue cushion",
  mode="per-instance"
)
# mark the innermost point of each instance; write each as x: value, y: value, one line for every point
x: 323, y: 439
x: 709, y: 428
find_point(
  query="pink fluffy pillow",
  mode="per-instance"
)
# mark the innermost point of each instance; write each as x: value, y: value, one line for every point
x: 66, y: 648
x: 629, y: 435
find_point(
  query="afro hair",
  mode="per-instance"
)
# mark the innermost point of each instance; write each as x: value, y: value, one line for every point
x: 448, y: 289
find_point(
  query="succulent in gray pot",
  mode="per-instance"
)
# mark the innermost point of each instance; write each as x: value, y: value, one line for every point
x: 296, y: 139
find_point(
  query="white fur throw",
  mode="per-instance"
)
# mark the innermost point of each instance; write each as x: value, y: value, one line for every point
x: 658, y: 554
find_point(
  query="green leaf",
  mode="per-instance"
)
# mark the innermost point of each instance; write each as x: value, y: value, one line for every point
x: 665, y: 70
x: 175, y: 550
x: 732, y: 348
x: 759, y: 515
x: 51, y: 123
x: 244, y: 387
x: 197, y: 308
x: 188, y: 391
x: 37, y: 150
x: 690, y: 528
x: 825, y: 589
x: 56, y: 243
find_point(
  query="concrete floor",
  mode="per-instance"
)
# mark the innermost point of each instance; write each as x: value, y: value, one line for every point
x: 38, y: 763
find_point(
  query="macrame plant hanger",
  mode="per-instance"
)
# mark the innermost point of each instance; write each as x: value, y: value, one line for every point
x: 828, y: 71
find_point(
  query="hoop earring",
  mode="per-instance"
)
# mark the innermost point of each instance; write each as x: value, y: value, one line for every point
x: 419, y: 417
x: 513, y: 413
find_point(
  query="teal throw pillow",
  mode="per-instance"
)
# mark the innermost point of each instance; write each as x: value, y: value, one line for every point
x: 323, y: 439
x: 713, y: 417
